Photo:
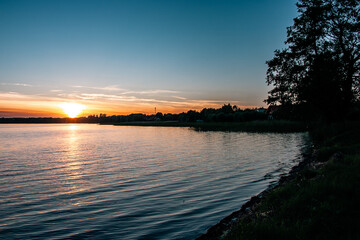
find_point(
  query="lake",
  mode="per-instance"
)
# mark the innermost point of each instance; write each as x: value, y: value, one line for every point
x: 87, y: 181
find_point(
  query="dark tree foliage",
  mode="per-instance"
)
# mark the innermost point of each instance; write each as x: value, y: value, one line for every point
x: 190, y: 116
x: 320, y: 66
x: 227, y: 113
x: 227, y: 108
x: 159, y: 115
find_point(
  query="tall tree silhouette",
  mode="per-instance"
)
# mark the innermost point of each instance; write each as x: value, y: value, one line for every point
x: 320, y: 66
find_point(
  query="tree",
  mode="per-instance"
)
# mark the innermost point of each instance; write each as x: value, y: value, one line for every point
x: 226, y: 108
x: 159, y: 115
x: 320, y: 66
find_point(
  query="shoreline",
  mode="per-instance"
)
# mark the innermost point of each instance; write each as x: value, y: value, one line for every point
x: 261, y: 126
x: 249, y: 209
x: 258, y: 126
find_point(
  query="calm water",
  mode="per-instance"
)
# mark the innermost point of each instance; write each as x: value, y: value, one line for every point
x: 107, y: 182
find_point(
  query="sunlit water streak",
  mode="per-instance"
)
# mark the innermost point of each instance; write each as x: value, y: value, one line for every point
x: 107, y: 182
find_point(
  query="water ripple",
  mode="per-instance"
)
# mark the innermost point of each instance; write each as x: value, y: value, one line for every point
x: 106, y: 182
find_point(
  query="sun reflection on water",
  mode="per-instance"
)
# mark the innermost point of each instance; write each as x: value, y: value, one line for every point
x: 73, y: 127
x: 74, y: 170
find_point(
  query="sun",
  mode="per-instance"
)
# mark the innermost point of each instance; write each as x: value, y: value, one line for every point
x: 72, y: 109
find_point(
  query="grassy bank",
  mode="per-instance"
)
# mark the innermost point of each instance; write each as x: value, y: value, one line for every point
x: 322, y: 201
x: 252, y: 126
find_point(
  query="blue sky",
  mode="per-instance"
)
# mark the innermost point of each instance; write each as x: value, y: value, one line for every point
x: 123, y: 56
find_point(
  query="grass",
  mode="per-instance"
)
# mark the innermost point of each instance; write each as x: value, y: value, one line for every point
x: 279, y: 126
x: 320, y: 203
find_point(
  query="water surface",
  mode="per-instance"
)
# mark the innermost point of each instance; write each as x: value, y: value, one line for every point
x: 116, y: 182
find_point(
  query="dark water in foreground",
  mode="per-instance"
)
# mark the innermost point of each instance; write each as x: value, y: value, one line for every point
x: 107, y: 182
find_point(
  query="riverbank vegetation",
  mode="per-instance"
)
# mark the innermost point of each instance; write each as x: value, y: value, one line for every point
x: 279, y: 126
x: 321, y: 201
x: 316, y: 77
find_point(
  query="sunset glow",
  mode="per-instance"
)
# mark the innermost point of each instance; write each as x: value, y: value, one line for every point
x: 126, y: 57
x: 72, y: 109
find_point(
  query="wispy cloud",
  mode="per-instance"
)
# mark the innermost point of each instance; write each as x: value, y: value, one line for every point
x: 12, y: 95
x: 106, y: 88
x: 89, y: 96
x: 116, y: 88
x: 145, y: 98
x: 17, y: 84
x: 178, y: 97
x: 157, y: 91
x: 97, y: 99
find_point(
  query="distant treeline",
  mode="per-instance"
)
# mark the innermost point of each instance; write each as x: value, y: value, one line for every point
x: 227, y: 113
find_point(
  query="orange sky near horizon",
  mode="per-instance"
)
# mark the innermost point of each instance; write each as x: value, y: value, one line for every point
x: 122, y: 57
x: 20, y: 105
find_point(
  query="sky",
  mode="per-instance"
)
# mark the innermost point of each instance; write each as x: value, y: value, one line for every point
x: 127, y: 56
